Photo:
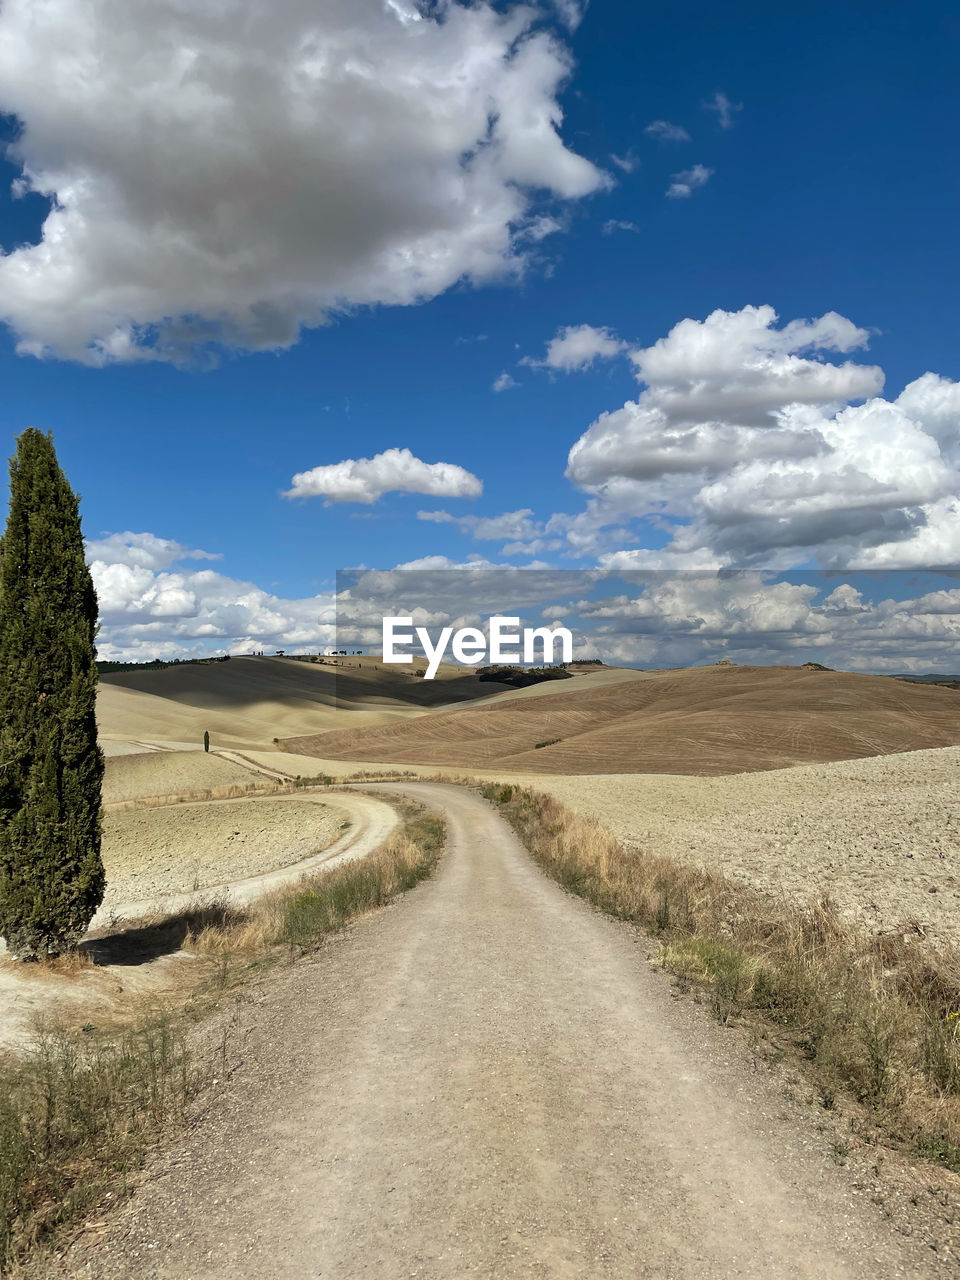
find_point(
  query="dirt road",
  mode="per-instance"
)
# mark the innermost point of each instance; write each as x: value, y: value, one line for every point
x: 487, y: 1080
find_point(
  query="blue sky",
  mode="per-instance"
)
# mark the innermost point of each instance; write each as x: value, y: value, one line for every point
x: 829, y: 185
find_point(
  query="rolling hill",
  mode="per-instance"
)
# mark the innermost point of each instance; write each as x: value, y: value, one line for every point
x: 702, y: 721
x: 249, y: 701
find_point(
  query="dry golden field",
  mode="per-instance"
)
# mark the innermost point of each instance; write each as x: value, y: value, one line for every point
x: 703, y: 721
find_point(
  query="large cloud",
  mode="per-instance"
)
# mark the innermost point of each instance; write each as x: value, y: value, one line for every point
x: 152, y: 608
x: 393, y: 471
x: 230, y: 171
x: 142, y: 551
x: 745, y: 438
x: 681, y: 618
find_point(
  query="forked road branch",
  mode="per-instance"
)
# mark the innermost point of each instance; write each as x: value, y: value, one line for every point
x: 487, y: 1080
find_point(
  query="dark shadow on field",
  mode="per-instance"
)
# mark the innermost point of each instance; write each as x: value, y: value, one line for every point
x: 143, y: 941
x: 244, y: 682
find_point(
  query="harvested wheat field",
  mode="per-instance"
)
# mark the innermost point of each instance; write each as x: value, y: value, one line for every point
x: 703, y: 721
x: 253, y: 701
x: 880, y: 836
x: 149, y: 853
x: 159, y: 773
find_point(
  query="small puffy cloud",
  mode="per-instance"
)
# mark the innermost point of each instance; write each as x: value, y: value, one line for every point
x: 687, y: 180
x: 576, y: 347
x: 226, y: 174
x: 725, y: 110
x: 537, y: 229
x: 844, y: 599
x: 504, y: 382
x: 626, y: 164
x: 613, y: 225
x: 393, y: 471
x: 664, y: 131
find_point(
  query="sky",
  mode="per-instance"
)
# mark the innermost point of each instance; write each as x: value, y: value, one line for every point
x: 300, y: 287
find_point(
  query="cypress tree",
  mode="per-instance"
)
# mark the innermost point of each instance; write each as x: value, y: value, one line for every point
x: 51, y: 768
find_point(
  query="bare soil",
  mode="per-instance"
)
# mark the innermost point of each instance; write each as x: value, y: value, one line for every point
x: 142, y: 962
x: 153, y: 773
x: 880, y: 836
x: 487, y: 1079
x: 149, y: 853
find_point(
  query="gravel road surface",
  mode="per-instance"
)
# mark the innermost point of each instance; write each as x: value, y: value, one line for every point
x: 487, y: 1079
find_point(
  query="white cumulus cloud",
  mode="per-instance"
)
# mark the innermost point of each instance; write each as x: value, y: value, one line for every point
x: 576, y: 347
x: 747, y: 444
x: 230, y: 172
x: 142, y: 551
x: 393, y: 471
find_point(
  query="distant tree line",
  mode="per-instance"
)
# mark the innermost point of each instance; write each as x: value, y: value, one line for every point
x: 104, y: 666
x: 521, y: 677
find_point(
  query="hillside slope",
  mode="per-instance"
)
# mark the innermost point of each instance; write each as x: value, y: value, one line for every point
x: 704, y: 721
x: 250, y: 701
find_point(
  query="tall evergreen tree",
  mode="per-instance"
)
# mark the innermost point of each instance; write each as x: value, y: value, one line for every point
x: 51, y: 768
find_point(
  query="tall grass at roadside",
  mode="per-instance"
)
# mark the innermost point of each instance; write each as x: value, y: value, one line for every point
x: 877, y: 1017
x: 79, y: 1110
x: 300, y: 915
x: 77, y: 1115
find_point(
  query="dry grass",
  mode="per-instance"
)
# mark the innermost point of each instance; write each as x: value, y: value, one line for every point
x: 299, y: 916
x: 386, y: 775
x: 77, y: 1115
x: 50, y: 968
x: 80, y: 1109
x: 876, y: 1018
x: 880, y: 836
x: 232, y: 791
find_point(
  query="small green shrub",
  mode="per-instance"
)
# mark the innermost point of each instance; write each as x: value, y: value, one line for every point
x: 939, y: 1149
x: 722, y: 967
